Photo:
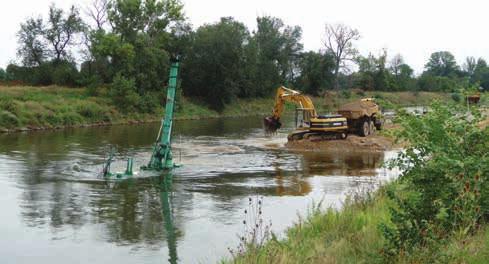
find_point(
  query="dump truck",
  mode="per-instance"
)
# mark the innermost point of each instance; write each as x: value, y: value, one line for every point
x: 363, y: 116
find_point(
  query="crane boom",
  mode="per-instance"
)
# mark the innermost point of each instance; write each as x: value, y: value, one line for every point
x: 162, y: 158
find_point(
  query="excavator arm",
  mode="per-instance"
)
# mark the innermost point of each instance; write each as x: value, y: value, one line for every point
x: 272, y: 123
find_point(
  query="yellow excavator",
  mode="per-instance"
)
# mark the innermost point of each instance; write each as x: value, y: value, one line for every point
x: 309, y: 125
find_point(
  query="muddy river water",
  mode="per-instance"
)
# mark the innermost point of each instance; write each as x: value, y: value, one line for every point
x: 57, y: 209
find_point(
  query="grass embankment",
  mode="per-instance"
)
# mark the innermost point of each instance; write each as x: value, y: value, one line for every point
x: 30, y: 108
x: 352, y: 235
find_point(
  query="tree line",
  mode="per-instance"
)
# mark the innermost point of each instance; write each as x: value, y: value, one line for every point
x: 127, y: 45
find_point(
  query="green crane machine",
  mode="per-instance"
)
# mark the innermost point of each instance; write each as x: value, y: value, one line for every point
x: 161, y: 158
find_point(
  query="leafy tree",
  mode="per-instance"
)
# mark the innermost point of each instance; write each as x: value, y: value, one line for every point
x: 316, y: 72
x: 442, y: 63
x: 152, y: 17
x: 480, y: 74
x: 142, y: 32
x: 428, y: 82
x: 278, y: 48
x: 214, y: 68
x: 32, y: 46
x: 61, y: 31
x: 373, y: 73
x: 3, y: 75
x: 469, y: 66
x: 402, y: 73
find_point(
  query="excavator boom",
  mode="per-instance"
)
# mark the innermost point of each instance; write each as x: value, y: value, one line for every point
x: 284, y: 94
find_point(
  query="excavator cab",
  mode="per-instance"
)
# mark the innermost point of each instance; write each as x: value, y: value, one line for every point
x: 303, y: 118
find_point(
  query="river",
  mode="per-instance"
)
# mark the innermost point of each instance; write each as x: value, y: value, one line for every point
x: 57, y: 209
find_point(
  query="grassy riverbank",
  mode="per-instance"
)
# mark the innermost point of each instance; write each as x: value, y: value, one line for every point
x: 352, y: 235
x: 30, y: 108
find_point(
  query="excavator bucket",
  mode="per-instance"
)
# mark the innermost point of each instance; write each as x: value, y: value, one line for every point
x: 271, y: 124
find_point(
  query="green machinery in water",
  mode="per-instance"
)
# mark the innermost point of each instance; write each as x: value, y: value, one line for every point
x: 161, y: 158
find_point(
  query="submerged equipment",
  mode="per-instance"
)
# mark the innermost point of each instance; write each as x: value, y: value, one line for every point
x: 161, y: 158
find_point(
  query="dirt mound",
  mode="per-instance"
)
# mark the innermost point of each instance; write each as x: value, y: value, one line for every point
x: 352, y: 143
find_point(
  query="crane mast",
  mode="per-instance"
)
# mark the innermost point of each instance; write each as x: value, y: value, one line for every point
x: 162, y: 158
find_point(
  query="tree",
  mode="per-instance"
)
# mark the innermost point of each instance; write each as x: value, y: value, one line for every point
x: 61, y: 31
x: 481, y: 74
x: 278, y: 48
x: 214, y: 67
x: 402, y: 73
x: 442, y: 63
x: 32, y: 46
x: 131, y: 17
x: 373, y: 73
x: 97, y: 11
x: 469, y: 66
x: 339, y: 42
x: 3, y: 75
x: 316, y: 72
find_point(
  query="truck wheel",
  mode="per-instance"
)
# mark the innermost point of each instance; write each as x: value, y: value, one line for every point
x: 364, y: 128
x: 372, y: 127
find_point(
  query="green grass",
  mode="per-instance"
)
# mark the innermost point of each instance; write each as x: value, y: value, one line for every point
x: 352, y: 235
x: 23, y: 107
x: 52, y: 107
x: 346, y: 236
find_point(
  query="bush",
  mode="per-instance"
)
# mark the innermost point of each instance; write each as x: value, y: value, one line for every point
x: 149, y: 102
x: 445, y: 180
x: 123, y: 93
x: 456, y: 97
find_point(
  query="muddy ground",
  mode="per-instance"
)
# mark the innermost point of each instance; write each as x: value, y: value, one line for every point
x: 352, y: 143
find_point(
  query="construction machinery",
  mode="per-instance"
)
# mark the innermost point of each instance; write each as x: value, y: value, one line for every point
x: 161, y: 158
x: 364, y: 116
x: 308, y: 123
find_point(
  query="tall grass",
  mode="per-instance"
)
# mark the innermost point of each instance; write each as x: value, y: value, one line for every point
x: 350, y: 235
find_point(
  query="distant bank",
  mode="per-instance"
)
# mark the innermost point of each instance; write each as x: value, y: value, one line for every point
x: 25, y: 108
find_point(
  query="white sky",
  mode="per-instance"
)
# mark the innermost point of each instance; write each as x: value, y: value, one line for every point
x: 413, y: 28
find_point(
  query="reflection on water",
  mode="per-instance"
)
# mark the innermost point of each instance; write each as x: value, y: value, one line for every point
x: 57, y: 209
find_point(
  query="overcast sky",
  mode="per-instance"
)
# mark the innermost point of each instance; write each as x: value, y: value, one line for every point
x: 413, y: 28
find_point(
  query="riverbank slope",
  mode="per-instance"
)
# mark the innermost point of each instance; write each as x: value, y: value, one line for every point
x: 353, y: 235
x: 31, y: 108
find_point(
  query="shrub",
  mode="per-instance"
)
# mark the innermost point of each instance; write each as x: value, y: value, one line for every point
x: 456, y: 97
x: 149, y: 102
x: 445, y: 180
x: 123, y: 94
